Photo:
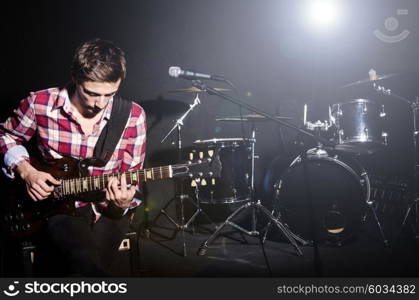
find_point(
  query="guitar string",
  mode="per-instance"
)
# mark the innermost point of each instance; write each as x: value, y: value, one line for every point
x: 76, y: 185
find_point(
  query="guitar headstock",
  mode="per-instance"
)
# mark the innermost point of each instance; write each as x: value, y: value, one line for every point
x: 208, y: 167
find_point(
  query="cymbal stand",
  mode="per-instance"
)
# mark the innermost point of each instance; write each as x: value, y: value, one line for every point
x: 253, y: 206
x: 413, y: 206
x: 181, y: 225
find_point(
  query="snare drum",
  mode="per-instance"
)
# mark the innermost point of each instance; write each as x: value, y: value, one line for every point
x: 359, y: 125
x: 233, y: 185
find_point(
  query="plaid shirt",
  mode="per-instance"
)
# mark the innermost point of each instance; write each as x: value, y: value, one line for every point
x: 50, y: 116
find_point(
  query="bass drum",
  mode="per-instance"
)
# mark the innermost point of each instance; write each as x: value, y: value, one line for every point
x: 339, y: 190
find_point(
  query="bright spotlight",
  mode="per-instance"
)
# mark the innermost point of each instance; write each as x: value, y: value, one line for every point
x: 323, y: 13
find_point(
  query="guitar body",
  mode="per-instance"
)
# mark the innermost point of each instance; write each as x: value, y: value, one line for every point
x: 22, y: 217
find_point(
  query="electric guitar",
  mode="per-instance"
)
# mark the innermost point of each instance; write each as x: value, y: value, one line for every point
x: 23, y: 217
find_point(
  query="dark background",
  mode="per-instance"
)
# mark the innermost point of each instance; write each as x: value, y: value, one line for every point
x: 265, y: 47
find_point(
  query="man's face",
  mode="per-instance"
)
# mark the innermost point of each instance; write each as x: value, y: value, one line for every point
x: 92, y: 97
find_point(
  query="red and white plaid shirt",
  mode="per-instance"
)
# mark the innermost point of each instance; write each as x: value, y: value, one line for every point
x: 50, y: 116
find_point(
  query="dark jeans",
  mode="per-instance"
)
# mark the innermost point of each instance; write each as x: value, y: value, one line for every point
x: 76, y: 246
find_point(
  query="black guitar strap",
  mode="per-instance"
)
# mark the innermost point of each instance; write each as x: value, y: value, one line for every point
x: 111, y: 133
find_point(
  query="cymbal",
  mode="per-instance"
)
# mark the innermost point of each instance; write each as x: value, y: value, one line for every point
x: 196, y: 90
x: 373, y: 78
x: 163, y: 107
x: 250, y: 118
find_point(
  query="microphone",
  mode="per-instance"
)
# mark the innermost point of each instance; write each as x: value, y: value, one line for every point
x: 177, y: 72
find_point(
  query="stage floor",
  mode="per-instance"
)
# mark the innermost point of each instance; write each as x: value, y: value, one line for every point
x: 233, y: 254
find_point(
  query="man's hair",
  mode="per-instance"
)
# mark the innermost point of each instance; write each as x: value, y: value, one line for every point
x: 98, y: 60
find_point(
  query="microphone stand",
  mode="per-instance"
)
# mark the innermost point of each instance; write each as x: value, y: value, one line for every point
x: 253, y: 204
x: 181, y: 225
x: 179, y: 123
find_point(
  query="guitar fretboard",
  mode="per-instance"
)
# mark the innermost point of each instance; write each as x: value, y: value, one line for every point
x: 99, y: 182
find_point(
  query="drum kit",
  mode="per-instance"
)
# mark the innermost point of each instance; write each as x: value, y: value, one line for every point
x: 340, y: 186
x: 330, y: 174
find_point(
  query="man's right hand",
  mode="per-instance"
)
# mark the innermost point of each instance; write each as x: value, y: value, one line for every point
x: 38, y: 184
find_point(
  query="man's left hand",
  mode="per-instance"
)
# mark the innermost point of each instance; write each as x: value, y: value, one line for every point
x: 118, y: 192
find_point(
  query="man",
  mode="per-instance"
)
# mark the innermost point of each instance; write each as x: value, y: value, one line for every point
x: 68, y: 122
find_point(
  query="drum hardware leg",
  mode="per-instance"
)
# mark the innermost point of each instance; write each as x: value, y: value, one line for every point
x: 415, y: 223
x: 377, y: 221
x: 414, y: 106
x: 199, y: 209
x: 317, y: 262
x: 253, y: 205
x: 281, y: 227
x: 181, y: 224
x: 253, y: 232
x: 202, y: 250
x: 414, y: 205
x: 293, y: 235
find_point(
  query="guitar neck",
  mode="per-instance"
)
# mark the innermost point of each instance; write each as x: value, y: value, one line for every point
x: 99, y: 182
